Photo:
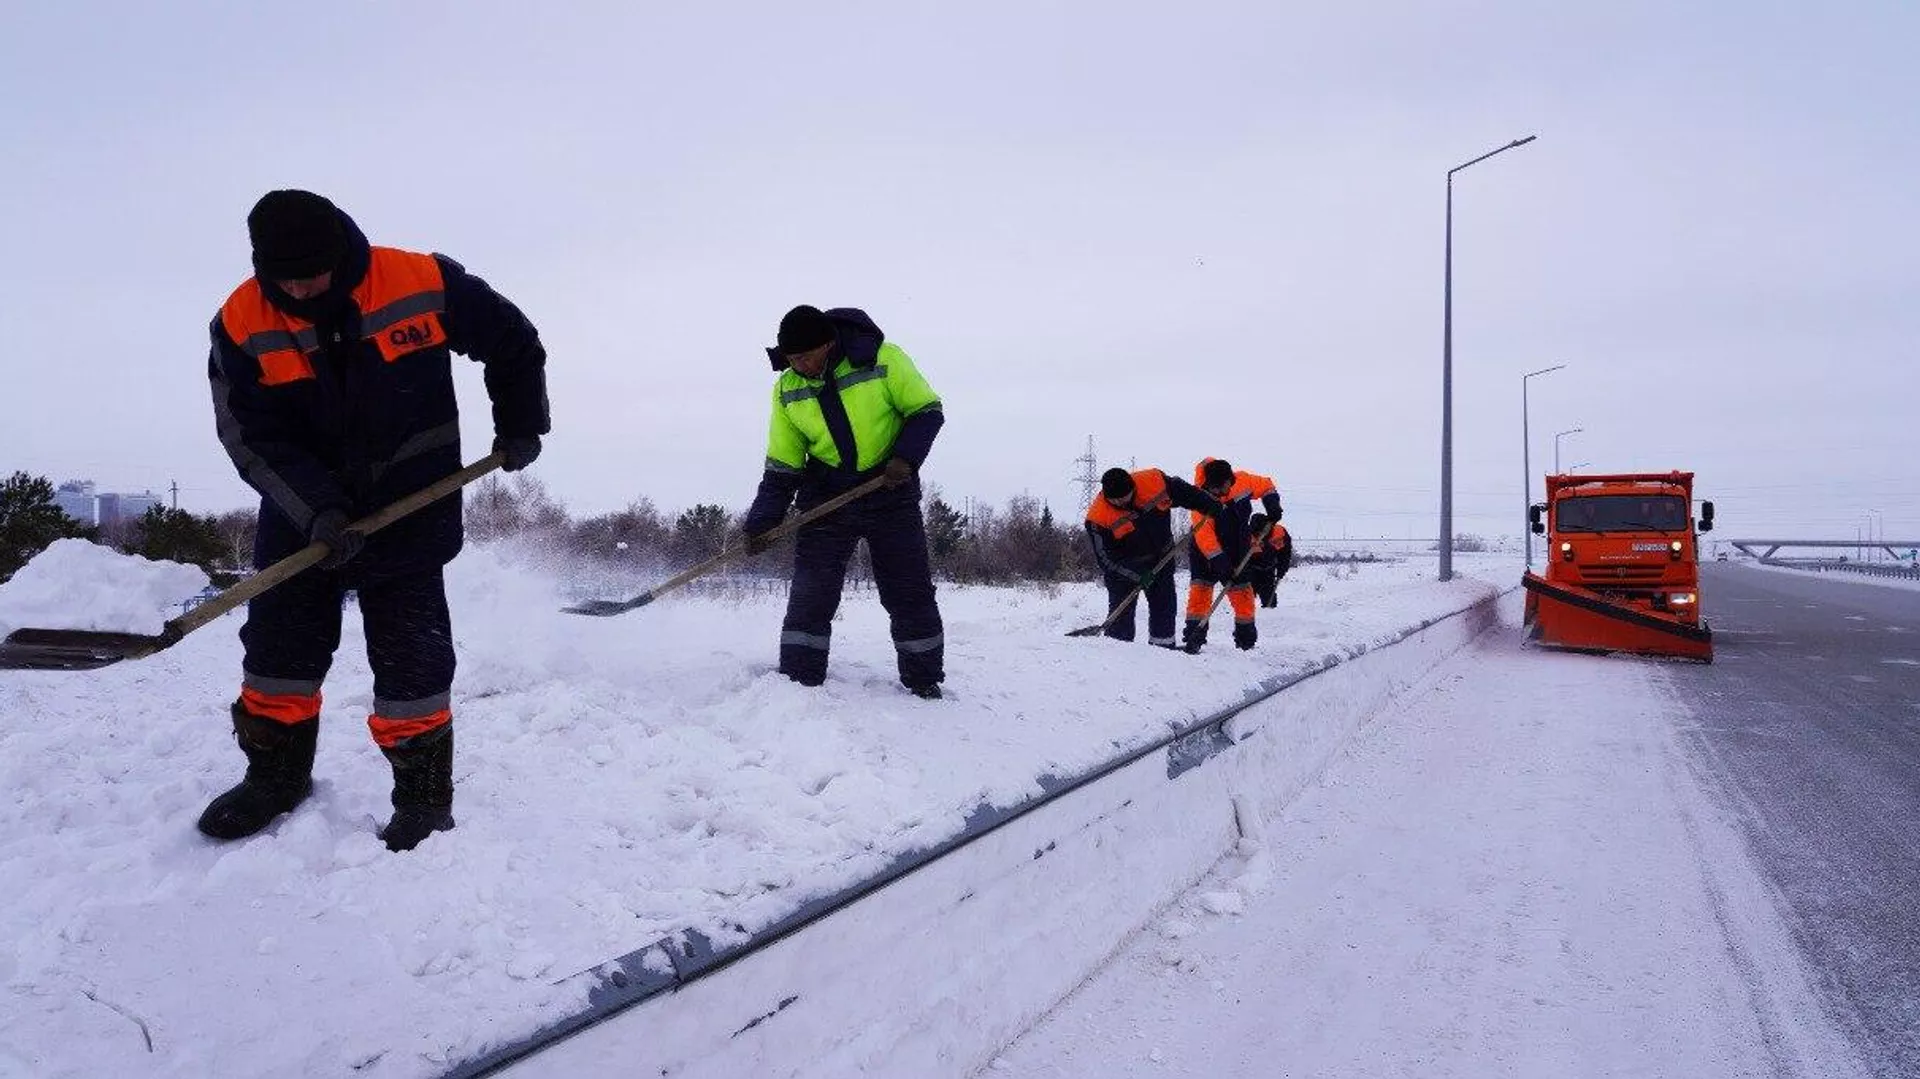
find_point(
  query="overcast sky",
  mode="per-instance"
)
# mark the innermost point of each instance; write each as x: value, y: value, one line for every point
x: 1183, y: 229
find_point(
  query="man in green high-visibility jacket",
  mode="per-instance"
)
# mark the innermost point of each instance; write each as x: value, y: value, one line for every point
x: 849, y: 405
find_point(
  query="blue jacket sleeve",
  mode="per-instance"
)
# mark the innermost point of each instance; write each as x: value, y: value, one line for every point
x: 916, y: 435
x: 1187, y: 496
x: 1104, y: 556
x: 262, y: 439
x: 770, y: 502
x: 1272, y: 504
x: 485, y: 325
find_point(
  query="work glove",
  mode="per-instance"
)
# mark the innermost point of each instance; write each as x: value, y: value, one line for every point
x: 343, y: 543
x: 899, y: 471
x: 1257, y: 524
x: 519, y: 450
x: 1146, y: 579
x: 759, y: 542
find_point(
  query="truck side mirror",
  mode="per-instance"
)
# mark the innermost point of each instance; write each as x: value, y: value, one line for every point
x: 1706, y: 516
x: 1533, y: 518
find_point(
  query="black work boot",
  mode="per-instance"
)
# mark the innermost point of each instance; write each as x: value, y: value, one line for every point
x: 422, y: 789
x: 1245, y: 634
x: 279, y: 775
x: 1194, y: 637
x: 926, y: 691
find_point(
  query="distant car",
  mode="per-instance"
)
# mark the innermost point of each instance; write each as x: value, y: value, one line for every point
x: 1721, y: 557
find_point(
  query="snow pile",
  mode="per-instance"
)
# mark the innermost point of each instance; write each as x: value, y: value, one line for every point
x: 75, y: 584
x: 617, y: 780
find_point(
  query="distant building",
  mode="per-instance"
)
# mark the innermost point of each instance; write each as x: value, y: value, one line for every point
x: 115, y: 508
x: 77, y: 500
x: 80, y: 500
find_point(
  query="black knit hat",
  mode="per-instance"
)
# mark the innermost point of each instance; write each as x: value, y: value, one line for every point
x: 295, y: 234
x: 1218, y: 473
x: 802, y: 329
x: 1116, y: 483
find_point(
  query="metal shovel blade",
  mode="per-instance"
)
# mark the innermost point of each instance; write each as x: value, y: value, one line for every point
x: 74, y: 649
x: 1086, y: 631
x: 604, y: 608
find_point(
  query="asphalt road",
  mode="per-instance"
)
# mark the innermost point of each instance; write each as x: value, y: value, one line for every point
x: 1810, y: 720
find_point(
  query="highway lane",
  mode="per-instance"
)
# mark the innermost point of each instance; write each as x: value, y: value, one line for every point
x: 1809, y: 721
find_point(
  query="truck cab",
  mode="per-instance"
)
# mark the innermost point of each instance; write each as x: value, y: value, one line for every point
x: 1622, y: 570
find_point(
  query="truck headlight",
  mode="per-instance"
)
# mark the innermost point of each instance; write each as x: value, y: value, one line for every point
x: 1675, y: 548
x: 1566, y: 551
x: 1681, y: 599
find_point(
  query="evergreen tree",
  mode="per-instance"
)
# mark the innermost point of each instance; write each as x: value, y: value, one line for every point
x: 30, y: 520
x: 946, y: 528
x: 701, y: 532
x: 178, y: 536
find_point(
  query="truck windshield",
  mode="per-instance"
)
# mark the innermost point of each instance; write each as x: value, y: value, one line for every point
x: 1621, y: 513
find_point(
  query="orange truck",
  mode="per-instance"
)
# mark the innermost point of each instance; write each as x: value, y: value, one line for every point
x: 1623, y: 571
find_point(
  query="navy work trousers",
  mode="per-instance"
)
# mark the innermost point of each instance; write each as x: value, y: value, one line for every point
x: 1160, y: 609
x: 889, y: 520
x: 293, y: 630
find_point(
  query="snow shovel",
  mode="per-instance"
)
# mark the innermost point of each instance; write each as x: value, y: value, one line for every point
x: 1095, y: 630
x: 606, y: 608
x: 85, y: 650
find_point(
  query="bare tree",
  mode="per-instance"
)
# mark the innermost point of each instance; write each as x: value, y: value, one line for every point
x: 516, y: 505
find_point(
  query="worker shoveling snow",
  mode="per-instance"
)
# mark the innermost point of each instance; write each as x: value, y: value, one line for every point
x: 75, y: 584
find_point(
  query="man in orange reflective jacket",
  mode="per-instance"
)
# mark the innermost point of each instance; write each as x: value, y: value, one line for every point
x: 1271, y: 560
x: 333, y: 393
x: 1130, y: 525
x: 1217, y: 545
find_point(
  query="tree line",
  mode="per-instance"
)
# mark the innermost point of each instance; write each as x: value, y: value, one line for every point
x: 1021, y: 541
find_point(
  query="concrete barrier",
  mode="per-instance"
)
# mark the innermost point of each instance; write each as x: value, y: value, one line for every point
x: 932, y: 967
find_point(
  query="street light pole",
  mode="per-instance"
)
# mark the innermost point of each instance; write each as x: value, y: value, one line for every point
x: 1526, y: 462
x: 1446, y: 376
x: 1556, y: 445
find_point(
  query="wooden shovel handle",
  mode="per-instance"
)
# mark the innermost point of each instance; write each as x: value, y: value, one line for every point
x: 311, y: 554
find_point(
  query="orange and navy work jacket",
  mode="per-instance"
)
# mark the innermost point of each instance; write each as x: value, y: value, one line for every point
x: 1129, y: 539
x: 1229, y: 532
x: 347, y: 402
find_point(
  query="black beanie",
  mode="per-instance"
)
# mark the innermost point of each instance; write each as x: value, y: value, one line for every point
x: 802, y: 329
x: 1116, y: 483
x: 1218, y: 474
x: 295, y: 234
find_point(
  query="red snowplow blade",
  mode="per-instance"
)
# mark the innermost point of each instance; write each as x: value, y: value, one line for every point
x: 1576, y: 618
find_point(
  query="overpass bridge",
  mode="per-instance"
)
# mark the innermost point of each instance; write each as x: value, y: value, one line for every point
x: 1902, y: 553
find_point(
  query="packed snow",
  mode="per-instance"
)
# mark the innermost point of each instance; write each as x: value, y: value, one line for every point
x: 618, y: 779
x: 75, y: 584
x: 1514, y: 872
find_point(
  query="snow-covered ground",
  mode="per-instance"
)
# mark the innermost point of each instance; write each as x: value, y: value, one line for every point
x: 1512, y: 873
x: 618, y: 779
